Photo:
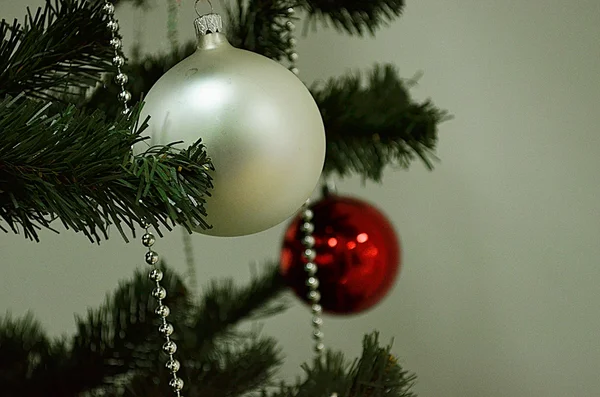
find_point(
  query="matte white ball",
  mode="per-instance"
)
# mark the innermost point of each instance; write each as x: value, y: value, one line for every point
x: 261, y: 127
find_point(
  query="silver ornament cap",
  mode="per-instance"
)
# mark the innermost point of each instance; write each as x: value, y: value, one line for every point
x: 208, y: 24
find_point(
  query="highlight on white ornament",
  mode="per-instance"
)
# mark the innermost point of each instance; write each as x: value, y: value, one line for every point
x: 260, y: 124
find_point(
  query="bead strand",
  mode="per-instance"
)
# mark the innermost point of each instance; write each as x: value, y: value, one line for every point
x: 118, y: 60
x: 312, y: 281
x: 151, y: 257
x: 292, y: 54
x: 308, y: 241
x: 162, y: 311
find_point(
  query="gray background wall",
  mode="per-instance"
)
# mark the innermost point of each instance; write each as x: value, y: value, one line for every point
x: 499, y: 291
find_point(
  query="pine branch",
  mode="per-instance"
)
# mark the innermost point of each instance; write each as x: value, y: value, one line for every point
x: 371, y: 126
x: 260, y: 26
x: 239, y: 368
x: 224, y: 305
x: 118, y: 339
x: 376, y: 374
x: 117, y: 345
x: 354, y: 16
x: 235, y: 371
x: 24, y: 348
x: 62, y: 47
x: 78, y: 167
x: 116, y: 352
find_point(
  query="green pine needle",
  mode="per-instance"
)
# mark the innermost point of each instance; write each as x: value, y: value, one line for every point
x: 260, y: 26
x: 373, y: 124
x: 354, y: 16
x: 61, y: 48
x: 78, y: 167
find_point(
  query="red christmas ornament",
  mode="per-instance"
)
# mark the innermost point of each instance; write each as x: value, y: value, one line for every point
x: 358, y: 255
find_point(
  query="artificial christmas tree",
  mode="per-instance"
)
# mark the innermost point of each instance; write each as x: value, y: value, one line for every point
x: 65, y: 152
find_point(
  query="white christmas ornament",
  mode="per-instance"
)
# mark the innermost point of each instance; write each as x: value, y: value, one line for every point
x: 260, y: 124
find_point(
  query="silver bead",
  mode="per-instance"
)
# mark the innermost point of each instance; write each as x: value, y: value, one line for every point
x: 173, y: 365
x: 307, y: 227
x: 162, y: 311
x: 176, y: 384
x: 309, y: 254
x: 290, y: 11
x: 319, y: 347
x: 166, y: 329
x: 116, y: 43
x: 294, y: 56
x: 290, y: 26
x: 113, y: 25
x: 310, y: 268
x: 122, y: 79
x: 307, y: 215
x: 292, y: 41
x: 159, y: 293
x: 312, y: 283
x: 126, y: 111
x: 295, y: 70
x: 148, y: 240
x: 318, y: 334
x: 314, y: 296
x: 124, y: 96
x: 169, y: 347
x: 317, y: 321
x: 308, y: 241
x: 156, y: 275
x: 151, y: 258
x: 108, y: 9
x: 118, y: 60
x: 316, y: 308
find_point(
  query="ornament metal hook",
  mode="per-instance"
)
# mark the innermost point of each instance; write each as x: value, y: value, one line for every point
x: 212, y: 9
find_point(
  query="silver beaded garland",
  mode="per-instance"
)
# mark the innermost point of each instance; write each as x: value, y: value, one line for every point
x: 310, y: 268
x: 121, y: 79
x: 176, y: 384
x: 170, y: 347
x: 113, y: 26
x: 307, y: 227
x: 292, y: 54
x: 156, y: 275
x: 108, y: 8
x: 148, y: 239
x: 165, y: 328
x: 116, y: 43
x: 118, y: 60
x: 312, y: 281
x: 173, y: 365
x: 159, y: 293
x: 124, y: 96
x: 151, y: 257
x: 162, y: 311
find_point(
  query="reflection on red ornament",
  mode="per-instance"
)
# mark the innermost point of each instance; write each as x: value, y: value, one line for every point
x: 362, y: 238
x: 358, y: 255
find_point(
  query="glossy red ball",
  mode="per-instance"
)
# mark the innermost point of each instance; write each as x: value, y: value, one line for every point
x: 358, y: 255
